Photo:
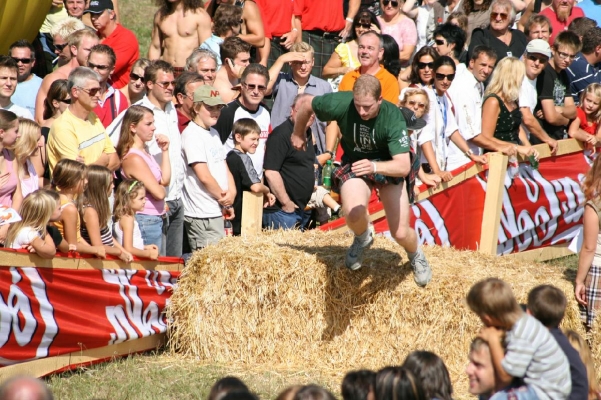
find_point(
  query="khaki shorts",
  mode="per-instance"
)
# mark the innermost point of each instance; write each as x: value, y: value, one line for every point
x: 203, y: 231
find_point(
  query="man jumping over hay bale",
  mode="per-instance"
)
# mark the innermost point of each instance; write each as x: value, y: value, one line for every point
x: 376, y: 154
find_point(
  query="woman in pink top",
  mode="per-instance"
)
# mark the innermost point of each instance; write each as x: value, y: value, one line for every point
x: 136, y: 163
x: 10, y: 187
x: 402, y: 28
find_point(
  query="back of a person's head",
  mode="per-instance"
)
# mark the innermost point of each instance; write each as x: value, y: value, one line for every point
x: 547, y: 303
x: 591, y: 40
x: 356, y: 385
x: 431, y: 372
x: 289, y: 392
x: 239, y: 395
x: 25, y: 388
x: 398, y: 383
x: 390, y: 59
x: 313, y: 392
x: 581, y: 25
x: 494, y: 298
x: 225, y: 385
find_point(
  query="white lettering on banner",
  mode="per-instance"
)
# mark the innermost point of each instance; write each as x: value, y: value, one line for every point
x: 19, y: 317
x: 423, y: 231
x: 519, y: 231
x: 131, y: 320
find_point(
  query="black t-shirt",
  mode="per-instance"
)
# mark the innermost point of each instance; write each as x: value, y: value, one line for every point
x: 245, y: 176
x: 551, y: 86
x: 577, y: 368
x: 516, y: 47
x: 296, y: 167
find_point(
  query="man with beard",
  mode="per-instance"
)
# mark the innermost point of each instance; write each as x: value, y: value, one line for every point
x: 253, y: 85
x: 286, y: 86
x: 561, y: 13
x: 370, y: 52
x: 180, y: 26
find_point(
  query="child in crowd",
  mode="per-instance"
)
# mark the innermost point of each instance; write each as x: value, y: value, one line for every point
x: 359, y: 385
x: 30, y: 232
x: 29, y: 157
x: 246, y: 139
x: 532, y: 353
x: 547, y: 304
x: 594, y: 391
x: 95, y: 212
x: 586, y: 125
x: 432, y: 373
x: 130, y: 198
x: 60, y: 243
x: 69, y: 179
x: 398, y: 383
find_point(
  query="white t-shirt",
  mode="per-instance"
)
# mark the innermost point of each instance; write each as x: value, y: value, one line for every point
x: 528, y: 97
x: 20, y: 111
x: 24, y: 237
x: 202, y: 146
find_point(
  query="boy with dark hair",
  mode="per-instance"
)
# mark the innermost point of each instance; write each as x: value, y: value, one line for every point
x: 359, y: 385
x: 246, y: 133
x: 547, y: 304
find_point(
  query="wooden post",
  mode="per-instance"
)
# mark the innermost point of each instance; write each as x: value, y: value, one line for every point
x: 252, y: 213
x: 493, y: 203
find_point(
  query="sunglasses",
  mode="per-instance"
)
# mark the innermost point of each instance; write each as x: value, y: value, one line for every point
x: 439, y: 42
x: 23, y: 60
x: 260, y: 88
x: 535, y: 57
x: 495, y: 15
x: 413, y: 103
x: 98, y: 67
x: 92, y: 92
x: 423, y: 65
x: 136, y: 77
x: 393, y: 2
x: 66, y: 101
x: 165, y: 85
x: 364, y: 26
x: 60, y: 47
x: 441, y: 77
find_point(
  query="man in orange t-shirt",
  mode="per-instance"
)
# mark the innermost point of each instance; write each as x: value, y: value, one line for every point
x: 370, y: 51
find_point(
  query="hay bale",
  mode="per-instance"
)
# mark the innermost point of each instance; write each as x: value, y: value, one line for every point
x: 285, y: 300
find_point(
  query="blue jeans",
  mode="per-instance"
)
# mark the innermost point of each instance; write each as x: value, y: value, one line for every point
x: 284, y: 220
x: 151, y: 227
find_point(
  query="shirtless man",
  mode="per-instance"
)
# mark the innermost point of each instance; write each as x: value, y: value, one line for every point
x: 179, y: 27
x: 235, y: 56
x: 80, y: 43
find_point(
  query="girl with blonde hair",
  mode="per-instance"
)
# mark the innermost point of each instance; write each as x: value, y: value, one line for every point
x: 578, y: 342
x: 29, y: 156
x: 586, y: 125
x: 30, y: 232
x: 501, y: 116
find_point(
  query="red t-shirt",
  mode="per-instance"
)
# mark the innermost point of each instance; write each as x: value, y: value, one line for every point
x: 321, y: 15
x: 112, y: 106
x: 590, y: 129
x: 560, y: 26
x: 280, y: 17
x: 126, y: 48
x: 263, y: 9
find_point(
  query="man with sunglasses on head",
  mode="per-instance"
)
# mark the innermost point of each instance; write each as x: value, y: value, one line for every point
x: 28, y: 83
x: 79, y: 44
x: 112, y: 102
x: 555, y: 102
x: 121, y: 40
x: 253, y: 85
x: 160, y: 85
x: 8, y: 85
x: 78, y: 134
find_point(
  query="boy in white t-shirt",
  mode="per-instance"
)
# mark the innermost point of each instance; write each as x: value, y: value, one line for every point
x: 209, y: 188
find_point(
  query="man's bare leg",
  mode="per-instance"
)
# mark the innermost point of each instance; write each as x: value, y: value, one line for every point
x: 396, y: 205
x: 355, y: 193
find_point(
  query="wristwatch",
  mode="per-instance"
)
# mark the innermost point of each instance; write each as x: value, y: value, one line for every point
x: 331, y: 153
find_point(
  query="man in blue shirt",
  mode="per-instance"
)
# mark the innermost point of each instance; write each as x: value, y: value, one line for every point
x: 28, y: 83
x: 582, y: 72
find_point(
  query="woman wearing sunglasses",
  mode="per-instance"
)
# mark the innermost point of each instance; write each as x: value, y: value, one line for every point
x: 436, y: 142
x: 506, y: 42
x: 501, y: 116
x: 344, y: 58
x: 135, y: 88
x: 402, y: 28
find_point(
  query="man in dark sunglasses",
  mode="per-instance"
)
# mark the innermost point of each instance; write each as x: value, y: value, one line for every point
x: 28, y: 83
x: 377, y: 154
x: 121, y: 40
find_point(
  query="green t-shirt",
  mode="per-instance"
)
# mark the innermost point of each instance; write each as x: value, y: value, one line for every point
x: 379, y: 138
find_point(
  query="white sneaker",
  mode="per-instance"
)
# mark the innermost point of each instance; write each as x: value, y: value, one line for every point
x: 422, y: 273
x: 355, y: 252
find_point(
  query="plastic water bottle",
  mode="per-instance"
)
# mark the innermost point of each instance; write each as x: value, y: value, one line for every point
x: 327, y: 175
x: 228, y: 228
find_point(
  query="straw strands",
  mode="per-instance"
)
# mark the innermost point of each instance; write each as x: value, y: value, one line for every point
x: 285, y: 300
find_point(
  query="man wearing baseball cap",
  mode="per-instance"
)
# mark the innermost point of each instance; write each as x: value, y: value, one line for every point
x: 209, y: 187
x: 535, y: 59
x: 120, y: 39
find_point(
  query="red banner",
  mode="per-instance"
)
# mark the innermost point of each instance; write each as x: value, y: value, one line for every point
x: 45, y: 312
x: 540, y: 208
